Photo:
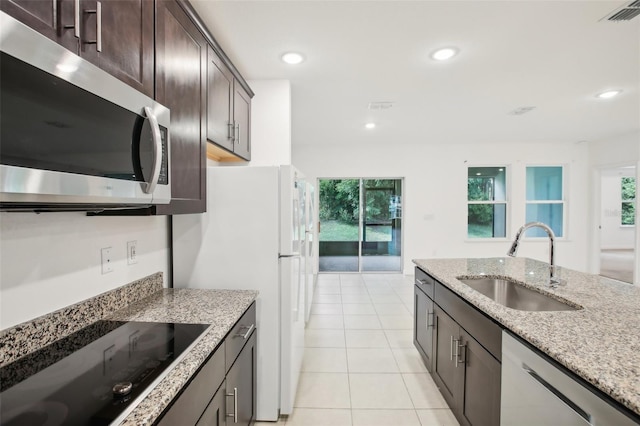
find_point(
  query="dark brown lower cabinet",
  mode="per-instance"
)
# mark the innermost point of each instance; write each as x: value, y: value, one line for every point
x: 445, y: 372
x: 466, y: 373
x: 423, y: 326
x: 241, y: 386
x: 212, y: 398
x: 465, y: 367
x: 481, y: 388
x: 214, y: 415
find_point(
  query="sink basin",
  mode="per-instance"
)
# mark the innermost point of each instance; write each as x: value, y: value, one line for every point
x: 515, y: 296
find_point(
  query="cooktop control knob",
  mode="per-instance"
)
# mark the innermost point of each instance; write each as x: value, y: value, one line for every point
x: 122, y: 388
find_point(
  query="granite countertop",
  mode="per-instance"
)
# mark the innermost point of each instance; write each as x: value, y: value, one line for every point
x: 221, y: 308
x: 142, y: 300
x: 598, y: 342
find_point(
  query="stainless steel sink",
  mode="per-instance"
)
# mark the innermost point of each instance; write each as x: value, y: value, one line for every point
x: 515, y: 296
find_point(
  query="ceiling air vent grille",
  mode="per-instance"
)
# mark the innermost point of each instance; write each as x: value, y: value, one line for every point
x: 626, y: 13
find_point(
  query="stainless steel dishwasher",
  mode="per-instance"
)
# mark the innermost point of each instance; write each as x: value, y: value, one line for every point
x: 535, y: 393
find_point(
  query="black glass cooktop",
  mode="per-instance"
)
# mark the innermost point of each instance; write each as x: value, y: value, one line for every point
x: 93, y: 376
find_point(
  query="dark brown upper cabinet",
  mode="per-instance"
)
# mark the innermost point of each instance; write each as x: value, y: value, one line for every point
x: 115, y: 35
x: 228, y: 113
x: 181, y: 56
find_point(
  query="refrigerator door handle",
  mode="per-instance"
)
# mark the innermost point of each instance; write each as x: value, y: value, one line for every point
x: 280, y: 256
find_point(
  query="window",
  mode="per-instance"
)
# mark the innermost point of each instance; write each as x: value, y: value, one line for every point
x: 486, y: 202
x: 628, y: 187
x: 545, y: 199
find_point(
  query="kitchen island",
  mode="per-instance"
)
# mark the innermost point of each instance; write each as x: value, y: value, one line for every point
x: 143, y: 300
x: 598, y: 342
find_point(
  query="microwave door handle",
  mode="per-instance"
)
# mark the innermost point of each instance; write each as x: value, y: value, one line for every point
x: 157, y: 151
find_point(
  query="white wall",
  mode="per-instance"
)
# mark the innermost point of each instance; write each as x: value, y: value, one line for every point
x: 434, y: 210
x: 52, y: 260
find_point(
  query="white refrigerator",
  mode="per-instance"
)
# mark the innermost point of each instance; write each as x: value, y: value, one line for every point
x: 254, y: 235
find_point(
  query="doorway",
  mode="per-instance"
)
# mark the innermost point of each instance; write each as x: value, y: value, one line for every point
x: 617, y: 223
x: 360, y: 225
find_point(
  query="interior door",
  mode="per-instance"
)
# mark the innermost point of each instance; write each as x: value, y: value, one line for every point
x: 617, y: 223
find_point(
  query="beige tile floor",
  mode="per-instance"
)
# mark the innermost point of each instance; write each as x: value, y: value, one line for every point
x: 360, y: 366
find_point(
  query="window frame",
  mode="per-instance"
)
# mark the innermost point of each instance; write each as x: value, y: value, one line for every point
x: 506, y: 202
x: 563, y: 200
x: 631, y: 201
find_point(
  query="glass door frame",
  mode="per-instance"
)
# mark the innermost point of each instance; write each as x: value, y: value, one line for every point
x: 361, y: 211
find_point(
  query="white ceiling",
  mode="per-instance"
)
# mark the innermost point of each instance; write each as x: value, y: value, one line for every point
x: 554, y: 55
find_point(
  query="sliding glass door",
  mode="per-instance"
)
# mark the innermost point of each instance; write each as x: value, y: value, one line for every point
x: 360, y: 225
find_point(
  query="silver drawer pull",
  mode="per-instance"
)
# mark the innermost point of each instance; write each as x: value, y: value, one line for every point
x: 462, y: 350
x: 557, y: 393
x: 421, y: 282
x: 430, y: 316
x: 248, y: 333
x: 235, y: 405
x: 451, y: 350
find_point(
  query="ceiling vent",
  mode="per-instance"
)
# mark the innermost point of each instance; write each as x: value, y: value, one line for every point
x: 380, y: 106
x: 522, y: 110
x: 625, y: 13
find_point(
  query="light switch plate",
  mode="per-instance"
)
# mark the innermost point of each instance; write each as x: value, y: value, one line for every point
x: 132, y: 252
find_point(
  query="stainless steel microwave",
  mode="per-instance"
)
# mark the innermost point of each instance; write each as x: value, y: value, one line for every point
x: 73, y: 137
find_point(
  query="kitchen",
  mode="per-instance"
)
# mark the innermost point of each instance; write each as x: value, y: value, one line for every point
x: 57, y: 256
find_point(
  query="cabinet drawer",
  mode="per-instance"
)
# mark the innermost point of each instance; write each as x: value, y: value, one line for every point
x: 239, y: 335
x: 482, y: 328
x: 425, y: 282
x: 190, y: 404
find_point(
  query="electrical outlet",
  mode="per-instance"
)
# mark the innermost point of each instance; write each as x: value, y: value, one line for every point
x: 107, y: 264
x: 132, y: 252
x: 109, y: 355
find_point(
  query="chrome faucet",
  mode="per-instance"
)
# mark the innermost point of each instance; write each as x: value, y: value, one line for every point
x: 554, y: 281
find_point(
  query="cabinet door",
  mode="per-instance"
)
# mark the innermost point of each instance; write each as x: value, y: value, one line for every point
x: 181, y: 54
x: 242, y: 119
x: 215, y: 414
x: 241, y: 386
x: 423, y: 326
x: 48, y: 17
x: 126, y: 40
x: 219, y: 102
x: 444, y: 371
x: 480, y: 401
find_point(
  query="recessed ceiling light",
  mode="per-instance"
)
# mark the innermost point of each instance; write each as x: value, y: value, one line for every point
x: 370, y: 125
x: 608, y: 94
x: 445, y: 53
x: 292, y: 58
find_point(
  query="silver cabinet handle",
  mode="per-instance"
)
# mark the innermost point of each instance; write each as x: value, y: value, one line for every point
x: 461, y: 349
x: 430, y: 315
x: 76, y: 18
x: 99, y: 27
x: 421, y: 282
x: 98, y: 40
x: 236, y: 133
x: 157, y: 151
x: 456, y: 348
x: 230, y: 130
x: 451, y: 350
x: 249, y: 330
x: 575, y: 407
x: 235, y: 405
